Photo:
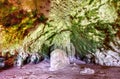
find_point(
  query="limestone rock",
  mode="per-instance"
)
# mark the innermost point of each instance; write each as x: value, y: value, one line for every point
x: 87, y: 71
x: 21, y: 59
x: 58, y: 60
x: 36, y: 58
x: 107, y: 58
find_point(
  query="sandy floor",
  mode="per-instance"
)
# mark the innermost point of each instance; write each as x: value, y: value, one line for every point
x: 41, y: 71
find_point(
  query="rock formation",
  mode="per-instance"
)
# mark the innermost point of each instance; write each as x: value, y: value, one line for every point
x: 107, y: 58
x: 58, y: 60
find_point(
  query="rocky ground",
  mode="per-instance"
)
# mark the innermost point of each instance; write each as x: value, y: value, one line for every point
x: 41, y: 71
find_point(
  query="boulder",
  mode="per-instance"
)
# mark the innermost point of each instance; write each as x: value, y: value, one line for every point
x: 22, y: 59
x: 58, y: 60
x: 87, y: 71
x: 36, y: 58
x: 107, y: 58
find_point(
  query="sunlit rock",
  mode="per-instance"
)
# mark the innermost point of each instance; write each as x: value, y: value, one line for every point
x: 114, y: 46
x: 107, y: 58
x: 58, y: 60
x: 99, y: 57
x: 87, y: 71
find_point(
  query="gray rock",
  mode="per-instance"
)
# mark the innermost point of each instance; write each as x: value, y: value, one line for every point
x: 107, y: 58
x: 87, y: 71
x: 2, y: 62
x: 58, y: 60
x: 22, y: 59
x: 36, y: 58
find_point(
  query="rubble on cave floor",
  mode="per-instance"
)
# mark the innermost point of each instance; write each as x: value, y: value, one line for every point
x: 72, y: 71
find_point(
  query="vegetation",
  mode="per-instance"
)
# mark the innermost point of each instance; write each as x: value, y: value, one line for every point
x: 88, y: 24
x: 16, y: 23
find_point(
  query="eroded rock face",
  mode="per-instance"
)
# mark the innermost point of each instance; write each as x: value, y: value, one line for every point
x: 107, y: 58
x: 42, y: 6
x: 2, y: 62
x: 58, y: 60
x: 36, y: 58
x: 21, y: 59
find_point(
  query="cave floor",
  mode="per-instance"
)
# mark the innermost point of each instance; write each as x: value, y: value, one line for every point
x: 41, y: 71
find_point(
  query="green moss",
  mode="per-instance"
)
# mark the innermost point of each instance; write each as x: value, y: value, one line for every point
x: 85, y: 23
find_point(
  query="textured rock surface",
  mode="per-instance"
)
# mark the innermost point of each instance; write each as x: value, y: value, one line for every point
x: 58, y: 60
x: 36, y: 58
x: 87, y: 71
x: 2, y: 64
x: 108, y: 58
